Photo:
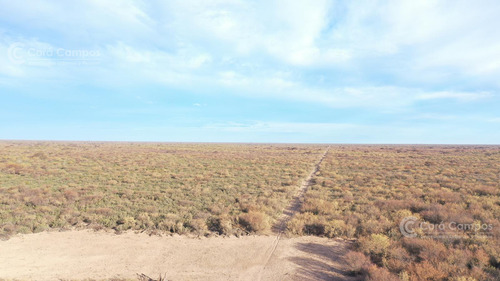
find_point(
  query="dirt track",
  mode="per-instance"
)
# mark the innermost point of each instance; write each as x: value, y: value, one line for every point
x: 297, y: 200
x: 103, y: 255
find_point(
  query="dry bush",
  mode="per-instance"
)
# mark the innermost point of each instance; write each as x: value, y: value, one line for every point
x: 375, y: 273
x: 357, y: 263
x: 220, y: 225
x: 296, y: 225
x: 144, y: 277
x: 425, y: 249
x: 338, y: 228
x: 375, y: 244
x: 309, y: 224
x: 13, y: 168
x: 199, y: 226
x: 254, y: 221
x: 426, y: 271
x: 319, y: 206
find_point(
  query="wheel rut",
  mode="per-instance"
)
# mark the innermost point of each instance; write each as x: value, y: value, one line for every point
x: 280, y: 226
x: 298, y: 199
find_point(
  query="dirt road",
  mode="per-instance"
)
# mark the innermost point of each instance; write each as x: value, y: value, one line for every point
x: 280, y: 226
x: 103, y: 255
x: 297, y: 200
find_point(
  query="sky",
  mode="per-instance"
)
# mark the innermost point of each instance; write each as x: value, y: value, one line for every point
x: 416, y: 72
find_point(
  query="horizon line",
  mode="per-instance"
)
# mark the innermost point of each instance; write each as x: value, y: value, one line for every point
x: 238, y: 142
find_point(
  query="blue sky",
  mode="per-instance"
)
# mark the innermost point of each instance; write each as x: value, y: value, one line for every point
x: 251, y: 71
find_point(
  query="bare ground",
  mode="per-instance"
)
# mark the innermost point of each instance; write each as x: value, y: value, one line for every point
x: 103, y: 255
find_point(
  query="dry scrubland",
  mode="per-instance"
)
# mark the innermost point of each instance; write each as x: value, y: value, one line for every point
x: 360, y: 192
x: 165, y: 188
x: 364, y: 192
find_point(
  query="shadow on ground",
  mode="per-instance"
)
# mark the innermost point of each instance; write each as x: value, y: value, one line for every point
x: 325, y: 263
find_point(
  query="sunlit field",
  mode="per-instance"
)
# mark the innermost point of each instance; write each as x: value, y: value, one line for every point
x: 364, y: 192
x: 201, y: 189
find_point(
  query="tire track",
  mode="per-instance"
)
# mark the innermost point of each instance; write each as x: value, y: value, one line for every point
x: 279, y: 227
x: 297, y: 200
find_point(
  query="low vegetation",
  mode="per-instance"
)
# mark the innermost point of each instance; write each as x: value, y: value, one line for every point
x: 364, y: 192
x: 167, y: 188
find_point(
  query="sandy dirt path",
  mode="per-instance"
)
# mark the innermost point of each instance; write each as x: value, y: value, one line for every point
x: 104, y: 255
x: 298, y: 198
x: 280, y: 226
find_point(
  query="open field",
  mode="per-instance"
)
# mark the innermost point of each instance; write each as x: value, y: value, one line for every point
x: 359, y: 192
x: 364, y: 192
x: 173, y: 188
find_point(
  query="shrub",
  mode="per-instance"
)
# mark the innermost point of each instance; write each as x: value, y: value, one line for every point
x: 220, y: 225
x: 70, y: 194
x: 398, y: 259
x: 315, y: 228
x: 254, y: 221
x: 376, y: 244
x: 425, y: 271
x: 375, y: 273
x: 336, y: 228
x: 319, y: 206
x: 199, y: 226
x: 357, y: 263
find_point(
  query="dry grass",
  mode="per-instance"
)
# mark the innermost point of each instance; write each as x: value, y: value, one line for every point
x: 364, y: 192
x: 144, y: 277
x: 167, y: 188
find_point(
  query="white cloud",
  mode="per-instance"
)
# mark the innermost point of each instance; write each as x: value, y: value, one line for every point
x: 125, y: 53
x: 281, y: 127
x: 182, y: 59
x: 434, y: 116
x: 285, y: 30
x: 267, y: 49
x: 9, y: 67
x: 125, y: 11
x: 462, y: 96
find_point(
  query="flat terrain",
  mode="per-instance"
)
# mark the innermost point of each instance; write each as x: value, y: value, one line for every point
x: 365, y: 192
x: 243, y: 200
x: 103, y: 255
x: 170, y: 188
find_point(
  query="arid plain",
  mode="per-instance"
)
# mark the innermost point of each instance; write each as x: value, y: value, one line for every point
x: 95, y: 210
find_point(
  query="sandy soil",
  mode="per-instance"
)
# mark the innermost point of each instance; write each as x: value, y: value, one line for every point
x: 103, y: 255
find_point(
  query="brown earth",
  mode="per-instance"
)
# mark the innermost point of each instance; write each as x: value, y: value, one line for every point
x: 87, y: 254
